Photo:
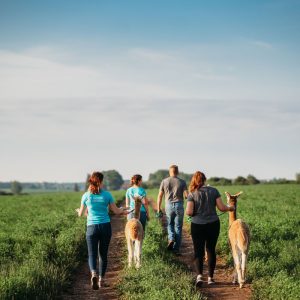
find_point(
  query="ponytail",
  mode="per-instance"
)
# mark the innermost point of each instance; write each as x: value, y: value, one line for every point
x: 95, y: 181
x: 198, y: 180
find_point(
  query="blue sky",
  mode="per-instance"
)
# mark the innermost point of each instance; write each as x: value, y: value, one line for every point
x: 139, y: 85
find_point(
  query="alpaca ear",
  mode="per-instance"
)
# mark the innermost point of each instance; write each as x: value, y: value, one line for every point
x: 227, y: 195
x: 238, y: 194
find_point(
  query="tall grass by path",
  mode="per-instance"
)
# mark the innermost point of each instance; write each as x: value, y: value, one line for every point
x: 42, y: 241
x: 273, y: 214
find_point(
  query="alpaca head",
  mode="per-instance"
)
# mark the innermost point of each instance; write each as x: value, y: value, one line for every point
x: 232, y: 199
x: 137, y: 205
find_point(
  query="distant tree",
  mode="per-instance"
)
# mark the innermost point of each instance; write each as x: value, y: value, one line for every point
x: 113, y: 180
x: 280, y: 181
x: 252, y: 180
x: 298, y: 178
x: 87, y: 183
x: 76, y: 187
x: 186, y: 177
x: 16, y: 187
x: 219, y: 181
x: 240, y: 180
x: 156, y: 178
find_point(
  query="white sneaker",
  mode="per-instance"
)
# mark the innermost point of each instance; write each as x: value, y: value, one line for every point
x: 103, y: 283
x: 199, y: 281
x: 210, y: 281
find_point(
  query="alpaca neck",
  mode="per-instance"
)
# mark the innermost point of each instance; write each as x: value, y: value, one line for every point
x: 137, y: 208
x: 136, y: 214
x: 232, y: 216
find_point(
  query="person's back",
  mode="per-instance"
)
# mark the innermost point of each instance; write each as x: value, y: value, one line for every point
x: 204, y: 204
x: 173, y: 188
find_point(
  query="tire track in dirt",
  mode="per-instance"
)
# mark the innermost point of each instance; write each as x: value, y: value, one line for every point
x: 223, y: 289
x: 81, y: 287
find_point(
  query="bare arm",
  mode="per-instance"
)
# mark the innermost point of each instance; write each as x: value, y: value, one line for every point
x: 189, y: 208
x: 185, y: 194
x: 146, y: 204
x: 127, y: 202
x: 116, y: 210
x: 159, y: 200
x: 222, y: 207
x: 80, y: 210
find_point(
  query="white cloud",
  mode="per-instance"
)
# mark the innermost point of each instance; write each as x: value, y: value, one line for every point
x: 30, y: 77
x: 139, y: 110
x: 261, y: 44
x: 150, y: 55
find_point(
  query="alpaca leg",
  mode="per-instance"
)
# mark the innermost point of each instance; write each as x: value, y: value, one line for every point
x: 130, y: 251
x: 234, y: 277
x: 137, y: 253
x: 237, y: 264
x: 244, y: 262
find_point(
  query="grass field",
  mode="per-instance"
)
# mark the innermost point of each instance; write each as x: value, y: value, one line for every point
x: 42, y: 242
x: 272, y: 212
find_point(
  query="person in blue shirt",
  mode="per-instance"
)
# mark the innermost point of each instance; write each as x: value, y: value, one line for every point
x: 137, y: 190
x: 98, y: 232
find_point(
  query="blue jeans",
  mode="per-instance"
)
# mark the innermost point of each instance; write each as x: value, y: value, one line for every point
x: 143, y: 218
x: 98, y: 238
x: 175, y: 212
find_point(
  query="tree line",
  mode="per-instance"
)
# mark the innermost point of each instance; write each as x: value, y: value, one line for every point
x: 113, y: 180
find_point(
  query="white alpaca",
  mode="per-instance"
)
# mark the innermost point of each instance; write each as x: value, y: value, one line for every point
x: 134, y: 233
x: 239, y: 237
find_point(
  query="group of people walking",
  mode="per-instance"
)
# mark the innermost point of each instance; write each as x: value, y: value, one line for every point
x: 202, y: 201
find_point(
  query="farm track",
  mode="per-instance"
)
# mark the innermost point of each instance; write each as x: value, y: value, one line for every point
x: 81, y: 288
x: 223, y: 289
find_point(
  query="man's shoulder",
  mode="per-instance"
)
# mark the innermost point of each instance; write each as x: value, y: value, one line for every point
x: 167, y: 179
x: 182, y: 181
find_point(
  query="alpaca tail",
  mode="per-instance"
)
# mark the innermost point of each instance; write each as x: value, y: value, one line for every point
x: 244, y: 238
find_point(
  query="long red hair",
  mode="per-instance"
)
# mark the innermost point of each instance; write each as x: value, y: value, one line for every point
x: 198, y: 180
x: 95, y: 182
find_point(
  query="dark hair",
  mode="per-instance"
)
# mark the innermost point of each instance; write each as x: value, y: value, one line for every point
x: 95, y: 181
x: 174, y: 168
x: 135, y: 179
x: 197, y: 181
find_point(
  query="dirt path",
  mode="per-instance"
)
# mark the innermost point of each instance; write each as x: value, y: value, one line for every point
x: 81, y: 288
x: 223, y: 289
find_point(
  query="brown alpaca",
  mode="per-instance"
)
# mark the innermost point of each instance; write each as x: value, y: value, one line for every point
x: 134, y: 235
x: 239, y: 238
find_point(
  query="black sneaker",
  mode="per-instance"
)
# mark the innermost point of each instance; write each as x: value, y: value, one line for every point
x: 94, y: 282
x: 199, y: 281
x: 170, y: 245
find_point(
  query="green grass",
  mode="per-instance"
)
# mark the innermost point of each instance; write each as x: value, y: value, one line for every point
x: 273, y: 214
x: 41, y: 242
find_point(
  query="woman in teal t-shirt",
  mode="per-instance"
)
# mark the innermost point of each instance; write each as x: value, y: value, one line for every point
x: 137, y: 190
x: 98, y: 232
